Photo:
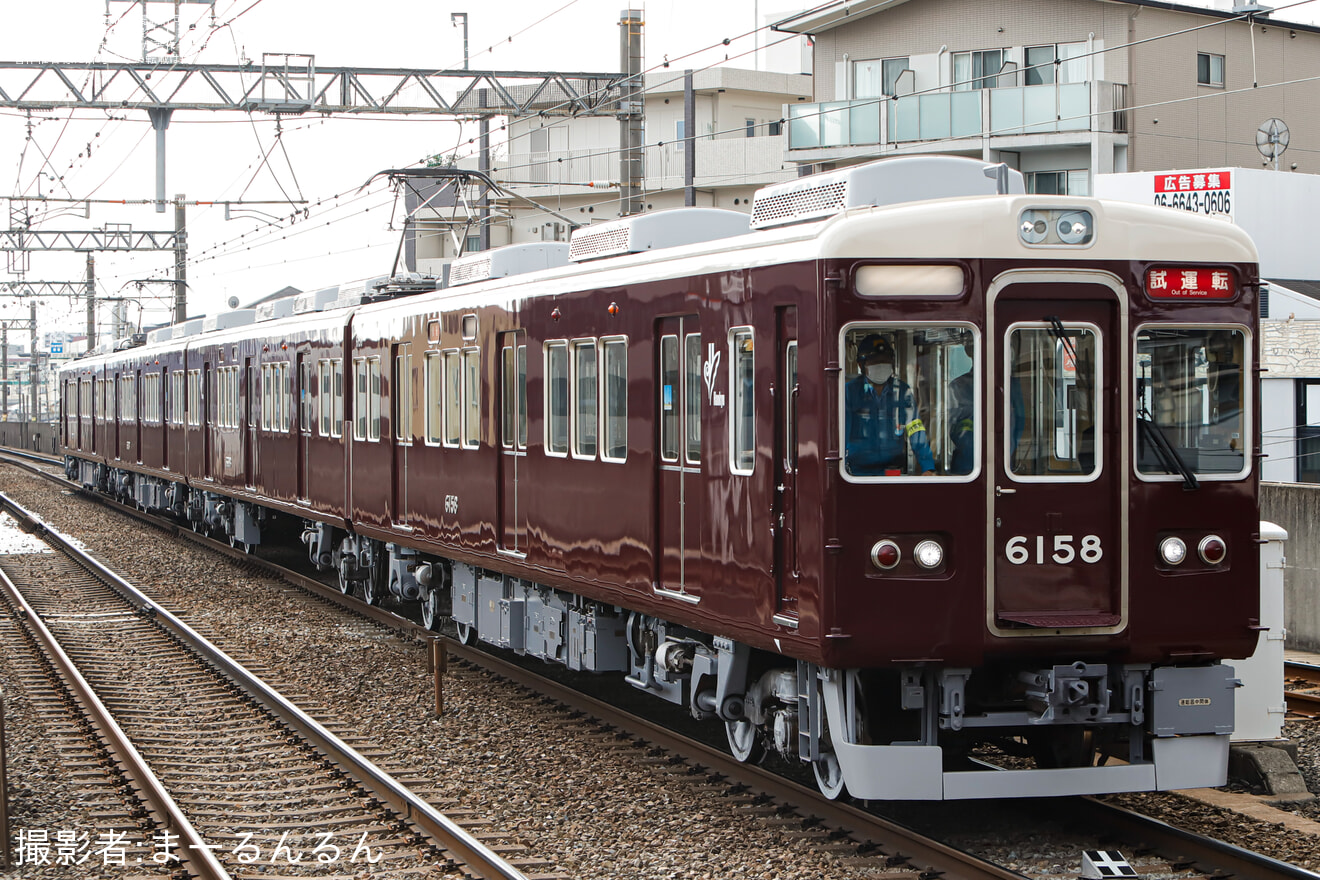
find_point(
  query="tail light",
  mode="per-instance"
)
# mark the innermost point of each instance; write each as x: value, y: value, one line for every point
x: 1212, y: 550
x: 885, y: 555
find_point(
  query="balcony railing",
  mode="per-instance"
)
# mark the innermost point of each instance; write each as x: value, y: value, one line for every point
x: 951, y: 115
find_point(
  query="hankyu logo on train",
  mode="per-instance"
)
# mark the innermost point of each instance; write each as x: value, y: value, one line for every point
x: 1202, y: 192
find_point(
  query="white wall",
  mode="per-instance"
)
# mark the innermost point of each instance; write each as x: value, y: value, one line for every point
x: 1279, y: 437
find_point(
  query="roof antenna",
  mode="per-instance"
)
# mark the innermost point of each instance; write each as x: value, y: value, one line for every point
x: 999, y: 174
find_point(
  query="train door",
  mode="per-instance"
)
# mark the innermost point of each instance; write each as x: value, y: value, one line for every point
x: 1059, y: 470
x: 401, y: 396
x: 788, y: 575
x: 249, y: 424
x: 513, y: 441
x: 303, y: 394
x: 678, y: 502
x: 138, y: 410
x: 208, y: 421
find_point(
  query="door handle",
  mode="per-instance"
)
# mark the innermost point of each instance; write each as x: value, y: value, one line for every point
x: 1000, y: 490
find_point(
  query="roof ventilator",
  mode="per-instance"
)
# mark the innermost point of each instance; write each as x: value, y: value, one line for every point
x: 516, y: 259
x: 663, y: 229
x: 886, y: 182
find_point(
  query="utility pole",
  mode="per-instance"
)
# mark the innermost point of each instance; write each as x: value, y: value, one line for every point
x: 180, y: 260
x: 32, y: 363
x: 630, y: 113
x: 91, y: 302
x: 689, y: 141
x: 4, y: 367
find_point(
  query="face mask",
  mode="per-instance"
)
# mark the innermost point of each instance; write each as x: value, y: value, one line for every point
x: 879, y: 373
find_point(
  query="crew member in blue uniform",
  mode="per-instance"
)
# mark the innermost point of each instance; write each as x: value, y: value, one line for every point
x: 881, y: 417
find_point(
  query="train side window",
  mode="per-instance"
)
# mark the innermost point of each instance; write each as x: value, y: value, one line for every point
x: 522, y: 397
x: 471, y: 397
x: 403, y: 397
x: 508, y: 395
x: 669, y: 392
x: 693, y: 384
x: 453, y: 398
x: 435, y: 389
x: 337, y: 423
x: 323, y: 396
x: 742, y: 379
x: 265, y: 397
x: 614, y: 398
x: 359, y: 398
x: 194, y: 397
x: 304, y: 392
x: 373, y: 399
x: 586, y: 397
x: 556, y: 394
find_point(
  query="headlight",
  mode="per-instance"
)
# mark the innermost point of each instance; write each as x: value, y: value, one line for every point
x: 1173, y: 550
x: 928, y: 554
x: 885, y: 555
x: 1212, y: 550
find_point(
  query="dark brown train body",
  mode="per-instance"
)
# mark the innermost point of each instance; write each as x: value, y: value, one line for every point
x: 698, y: 517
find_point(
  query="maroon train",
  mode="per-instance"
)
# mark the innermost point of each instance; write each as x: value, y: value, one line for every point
x: 1013, y: 547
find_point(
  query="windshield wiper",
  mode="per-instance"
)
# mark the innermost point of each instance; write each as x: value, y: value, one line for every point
x: 1164, y: 450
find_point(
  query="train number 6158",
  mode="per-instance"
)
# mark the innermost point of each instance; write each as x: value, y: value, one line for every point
x: 1018, y: 550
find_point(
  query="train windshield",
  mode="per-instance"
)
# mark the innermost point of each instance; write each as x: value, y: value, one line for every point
x: 910, y: 401
x: 1053, y: 418
x: 1191, y: 388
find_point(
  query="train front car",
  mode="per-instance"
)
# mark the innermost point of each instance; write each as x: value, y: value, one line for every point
x: 1039, y: 539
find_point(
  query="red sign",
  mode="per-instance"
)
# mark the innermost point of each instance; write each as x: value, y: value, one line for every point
x: 1197, y: 181
x: 1190, y: 284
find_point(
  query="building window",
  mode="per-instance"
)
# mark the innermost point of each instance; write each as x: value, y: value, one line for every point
x: 775, y: 128
x: 1210, y: 69
x: 1062, y: 63
x: 977, y: 70
x: 679, y: 131
x: 749, y: 126
x: 871, y: 79
x: 1059, y: 183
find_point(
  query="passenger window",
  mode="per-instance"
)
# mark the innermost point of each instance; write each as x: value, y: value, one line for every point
x: 556, y: 422
x: 522, y: 397
x: 373, y: 424
x: 360, y: 412
x: 1054, y: 415
x: 471, y: 398
x: 453, y: 398
x: 693, y: 383
x: 435, y: 387
x: 742, y: 378
x: 304, y: 391
x: 615, y: 400
x: 337, y: 425
x: 910, y: 401
x: 324, y: 396
x: 403, y: 397
x: 669, y: 393
x: 1191, y: 401
x: 585, y: 391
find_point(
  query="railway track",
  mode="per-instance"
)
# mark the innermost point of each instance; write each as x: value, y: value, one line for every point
x: 1302, y: 688
x: 878, y: 842
x: 229, y: 772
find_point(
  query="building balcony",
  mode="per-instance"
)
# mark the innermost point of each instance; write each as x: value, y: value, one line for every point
x: 952, y: 117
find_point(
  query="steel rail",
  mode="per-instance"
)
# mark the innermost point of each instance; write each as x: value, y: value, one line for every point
x: 481, y: 860
x: 1204, y: 852
x: 195, y: 854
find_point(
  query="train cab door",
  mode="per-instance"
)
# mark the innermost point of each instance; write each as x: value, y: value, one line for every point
x: 679, y: 484
x: 303, y: 394
x: 401, y: 398
x: 1058, y: 484
x: 788, y: 574
x: 513, y: 441
x: 249, y: 423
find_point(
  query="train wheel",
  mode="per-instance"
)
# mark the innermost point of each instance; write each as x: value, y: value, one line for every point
x: 827, y: 769
x: 467, y: 633
x: 431, y: 617
x: 345, y: 585
x: 829, y: 775
x: 745, y: 741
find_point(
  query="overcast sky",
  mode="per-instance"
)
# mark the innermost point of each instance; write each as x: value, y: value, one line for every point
x: 218, y: 156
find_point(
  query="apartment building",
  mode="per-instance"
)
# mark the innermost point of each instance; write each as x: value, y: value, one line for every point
x: 1059, y: 89
x: 572, y: 166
